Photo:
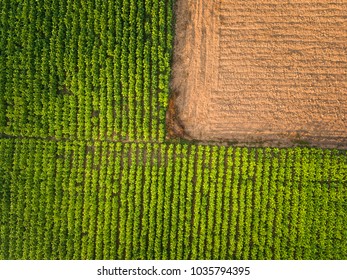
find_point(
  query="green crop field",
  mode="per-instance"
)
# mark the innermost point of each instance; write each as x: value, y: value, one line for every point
x: 86, y: 171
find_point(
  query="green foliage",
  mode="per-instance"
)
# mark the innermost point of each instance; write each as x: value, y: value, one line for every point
x: 85, y: 70
x: 99, y: 200
x: 86, y: 173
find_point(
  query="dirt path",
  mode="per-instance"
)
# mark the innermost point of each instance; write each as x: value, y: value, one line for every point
x: 262, y: 72
x: 194, y: 71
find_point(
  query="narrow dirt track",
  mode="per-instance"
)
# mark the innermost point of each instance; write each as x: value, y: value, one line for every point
x: 262, y: 72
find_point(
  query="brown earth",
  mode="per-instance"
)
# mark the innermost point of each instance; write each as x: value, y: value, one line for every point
x: 268, y: 72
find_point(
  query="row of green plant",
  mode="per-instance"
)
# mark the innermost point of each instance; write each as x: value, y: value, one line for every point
x: 99, y: 200
x: 85, y: 69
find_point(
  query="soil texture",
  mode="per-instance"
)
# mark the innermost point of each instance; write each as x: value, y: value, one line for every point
x: 263, y: 72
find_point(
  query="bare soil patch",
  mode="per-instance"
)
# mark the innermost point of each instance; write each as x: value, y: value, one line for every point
x: 261, y: 73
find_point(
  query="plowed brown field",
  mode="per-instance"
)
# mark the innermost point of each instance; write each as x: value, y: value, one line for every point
x: 262, y: 72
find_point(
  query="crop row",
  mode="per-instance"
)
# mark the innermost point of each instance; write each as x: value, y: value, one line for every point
x: 98, y: 200
x: 85, y: 69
